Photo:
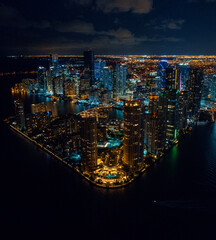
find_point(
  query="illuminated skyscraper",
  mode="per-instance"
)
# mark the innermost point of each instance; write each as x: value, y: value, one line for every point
x: 88, y: 136
x: 172, y: 116
x: 41, y: 77
x: 89, y: 65
x: 194, y: 87
x: 133, y: 145
x: 153, y: 120
x: 184, y: 75
x: 20, y: 115
x: 120, y: 79
x: 107, y: 78
x: 58, y: 85
x: 98, y: 68
x: 69, y: 86
x: 55, y: 64
x: 172, y: 78
x: 162, y: 71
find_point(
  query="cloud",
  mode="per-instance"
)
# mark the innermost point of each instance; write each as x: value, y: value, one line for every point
x: 107, y: 6
x: 171, y: 24
x: 76, y: 26
x: 136, y: 6
x: 11, y: 17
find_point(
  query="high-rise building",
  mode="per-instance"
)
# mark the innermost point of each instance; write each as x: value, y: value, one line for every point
x: 182, y: 110
x: 152, y: 120
x: 55, y: 64
x: 184, y: 76
x: 152, y: 84
x: 58, y: 85
x: 89, y: 65
x: 172, y: 78
x: 162, y: 72
x: 41, y: 77
x: 172, y: 116
x: 98, y: 68
x: 162, y: 110
x: 69, y: 87
x: 120, y: 79
x: 194, y: 88
x: 88, y: 136
x: 20, y: 115
x: 133, y: 143
x: 107, y: 78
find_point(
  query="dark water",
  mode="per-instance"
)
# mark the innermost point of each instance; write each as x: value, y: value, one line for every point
x: 41, y: 198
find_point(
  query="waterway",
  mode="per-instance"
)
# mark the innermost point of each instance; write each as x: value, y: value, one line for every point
x: 40, y: 197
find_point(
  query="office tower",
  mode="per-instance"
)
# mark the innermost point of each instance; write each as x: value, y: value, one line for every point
x: 98, y: 68
x: 84, y: 85
x: 182, y: 110
x: 41, y: 77
x: 55, y: 65
x: 172, y: 116
x: 69, y: 86
x: 209, y: 87
x: 93, y: 96
x: 76, y: 78
x: 152, y: 84
x: 120, y: 79
x: 194, y: 87
x: 162, y: 110
x: 213, y: 88
x: 184, y: 75
x: 58, y: 85
x: 172, y: 78
x: 89, y: 65
x: 88, y: 136
x: 107, y: 78
x: 152, y: 120
x: 20, y: 115
x: 162, y: 71
x: 133, y: 143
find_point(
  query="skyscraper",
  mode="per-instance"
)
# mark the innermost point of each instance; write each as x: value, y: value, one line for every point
x: 162, y: 71
x: 153, y: 120
x: 120, y: 80
x: 133, y: 144
x: 58, y: 85
x: 20, y: 115
x: 107, y: 78
x: 89, y: 65
x: 172, y: 78
x: 88, y: 136
x: 69, y: 86
x: 41, y: 77
x: 55, y: 64
x: 195, y: 92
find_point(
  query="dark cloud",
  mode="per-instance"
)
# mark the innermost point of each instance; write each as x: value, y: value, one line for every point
x: 11, y: 17
x: 166, y: 24
x: 76, y: 26
x: 107, y: 6
x: 136, y: 6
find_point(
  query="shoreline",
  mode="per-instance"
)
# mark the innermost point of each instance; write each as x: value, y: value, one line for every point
x: 69, y: 165
x: 144, y: 169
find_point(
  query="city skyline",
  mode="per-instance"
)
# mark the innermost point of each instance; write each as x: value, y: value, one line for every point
x: 110, y: 27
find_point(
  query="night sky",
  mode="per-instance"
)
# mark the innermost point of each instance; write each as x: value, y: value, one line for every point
x: 108, y: 26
